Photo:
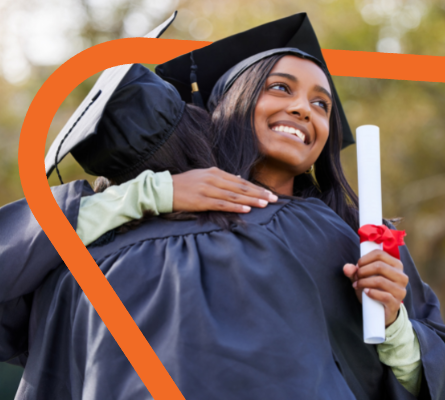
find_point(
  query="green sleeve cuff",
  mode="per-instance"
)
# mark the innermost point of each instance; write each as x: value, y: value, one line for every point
x: 401, y: 352
x: 117, y: 205
x: 394, y: 330
x: 163, y: 191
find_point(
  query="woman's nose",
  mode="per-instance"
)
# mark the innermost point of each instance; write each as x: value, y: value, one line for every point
x: 300, y: 108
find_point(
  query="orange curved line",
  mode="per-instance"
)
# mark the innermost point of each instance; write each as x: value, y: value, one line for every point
x: 58, y: 229
x: 364, y: 64
x: 45, y: 209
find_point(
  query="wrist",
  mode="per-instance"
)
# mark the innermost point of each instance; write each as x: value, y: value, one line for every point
x: 388, y: 324
x: 397, y: 326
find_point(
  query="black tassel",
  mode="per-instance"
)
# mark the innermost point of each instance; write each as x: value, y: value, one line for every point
x: 196, y: 95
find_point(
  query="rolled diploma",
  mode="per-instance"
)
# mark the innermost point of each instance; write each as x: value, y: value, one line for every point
x: 370, y: 212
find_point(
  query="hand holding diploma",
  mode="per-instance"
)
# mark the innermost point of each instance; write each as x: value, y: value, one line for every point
x: 382, y: 278
x: 378, y: 277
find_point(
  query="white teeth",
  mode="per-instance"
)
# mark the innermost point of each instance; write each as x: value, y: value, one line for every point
x: 301, y: 135
x: 288, y: 129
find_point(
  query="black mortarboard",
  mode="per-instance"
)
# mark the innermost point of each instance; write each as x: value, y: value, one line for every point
x: 226, y: 81
x: 218, y: 58
x: 139, y: 117
x: 84, y: 123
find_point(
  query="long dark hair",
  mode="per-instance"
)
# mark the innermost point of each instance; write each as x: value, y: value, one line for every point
x: 189, y: 147
x: 237, y: 148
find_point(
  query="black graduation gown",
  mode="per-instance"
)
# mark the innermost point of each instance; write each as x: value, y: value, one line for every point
x: 259, y: 312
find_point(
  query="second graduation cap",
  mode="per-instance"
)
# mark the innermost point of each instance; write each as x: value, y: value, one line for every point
x: 215, y: 60
x: 138, y: 119
x: 83, y: 126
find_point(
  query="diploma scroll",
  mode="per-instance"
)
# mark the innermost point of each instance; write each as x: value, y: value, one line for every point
x: 370, y: 212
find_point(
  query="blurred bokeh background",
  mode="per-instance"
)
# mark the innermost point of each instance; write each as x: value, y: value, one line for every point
x: 36, y: 36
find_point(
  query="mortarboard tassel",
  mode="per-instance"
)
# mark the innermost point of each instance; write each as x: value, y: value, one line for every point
x: 75, y: 123
x: 196, y: 95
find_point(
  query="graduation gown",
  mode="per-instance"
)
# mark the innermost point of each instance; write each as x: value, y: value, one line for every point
x: 262, y: 311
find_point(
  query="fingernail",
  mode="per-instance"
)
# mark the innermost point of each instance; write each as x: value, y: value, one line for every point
x: 246, y: 208
x: 263, y: 203
x: 354, y: 285
x: 272, y: 197
x: 366, y: 291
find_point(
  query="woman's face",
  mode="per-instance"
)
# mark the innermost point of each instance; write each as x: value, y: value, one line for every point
x: 292, y: 115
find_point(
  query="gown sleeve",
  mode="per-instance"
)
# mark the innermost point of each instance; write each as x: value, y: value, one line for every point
x: 26, y: 258
x: 401, y: 352
x: 27, y: 255
x: 423, y: 310
x: 119, y: 204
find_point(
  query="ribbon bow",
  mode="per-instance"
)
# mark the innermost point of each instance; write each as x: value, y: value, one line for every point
x: 391, y: 239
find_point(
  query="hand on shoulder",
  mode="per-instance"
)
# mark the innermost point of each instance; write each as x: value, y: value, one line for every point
x: 212, y: 189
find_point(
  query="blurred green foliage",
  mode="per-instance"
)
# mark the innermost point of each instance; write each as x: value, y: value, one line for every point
x: 410, y: 114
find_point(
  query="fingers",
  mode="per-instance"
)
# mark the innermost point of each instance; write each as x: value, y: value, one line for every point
x: 391, y: 304
x: 382, y: 284
x: 230, y: 196
x: 350, y: 271
x: 380, y: 255
x: 240, y: 186
x: 379, y: 288
x: 241, y: 193
x: 382, y: 278
x: 385, y: 270
x: 227, y: 206
x: 381, y: 269
x: 215, y: 190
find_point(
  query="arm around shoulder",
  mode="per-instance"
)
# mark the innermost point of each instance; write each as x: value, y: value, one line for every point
x: 120, y: 204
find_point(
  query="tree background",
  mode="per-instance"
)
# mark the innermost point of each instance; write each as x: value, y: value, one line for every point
x: 36, y: 36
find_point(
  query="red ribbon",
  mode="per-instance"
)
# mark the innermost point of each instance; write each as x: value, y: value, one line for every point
x: 391, y: 239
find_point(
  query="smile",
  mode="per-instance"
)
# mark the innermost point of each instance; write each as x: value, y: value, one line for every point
x: 290, y: 130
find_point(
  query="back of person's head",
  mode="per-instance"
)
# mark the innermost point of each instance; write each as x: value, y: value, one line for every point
x: 145, y: 125
x: 188, y: 147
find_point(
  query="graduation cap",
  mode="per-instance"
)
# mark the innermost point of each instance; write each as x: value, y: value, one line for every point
x: 138, y: 119
x: 228, y: 58
x: 85, y: 125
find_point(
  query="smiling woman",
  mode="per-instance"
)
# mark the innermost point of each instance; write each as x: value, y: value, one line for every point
x: 263, y: 308
x: 291, y: 121
x: 258, y: 121
x: 279, y: 109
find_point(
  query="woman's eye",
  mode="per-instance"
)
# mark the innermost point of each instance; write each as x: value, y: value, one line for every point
x: 321, y: 104
x: 279, y: 86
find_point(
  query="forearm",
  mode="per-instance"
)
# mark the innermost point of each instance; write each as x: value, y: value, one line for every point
x: 119, y: 204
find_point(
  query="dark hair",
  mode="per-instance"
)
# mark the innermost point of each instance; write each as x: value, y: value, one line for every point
x: 237, y: 148
x: 189, y: 147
